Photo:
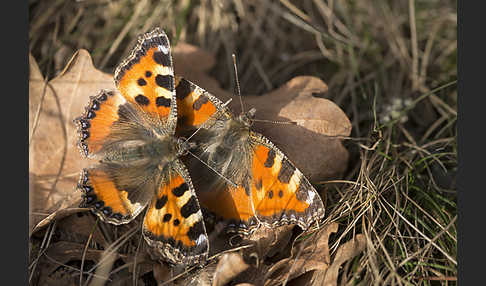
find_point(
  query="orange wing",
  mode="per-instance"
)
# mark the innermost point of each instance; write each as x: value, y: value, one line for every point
x: 233, y: 204
x: 109, y: 198
x: 146, y: 77
x: 194, y: 105
x: 94, y: 126
x: 173, y: 223
x: 281, y: 194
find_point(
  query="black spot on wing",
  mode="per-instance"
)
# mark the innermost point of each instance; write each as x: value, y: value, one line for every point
x: 196, y: 230
x: 166, y: 217
x: 148, y: 73
x: 286, y: 171
x: 176, y: 222
x: 165, y: 81
x: 190, y: 207
x: 270, y: 159
x: 280, y: 193
x: 270, y: 194
x: 246, y: 186
x: 161, y: 58
x: 180, y: 190
x: 183, y: 89
x: 142, y: 99
x: 162, y: 101
x: 161, y: 202
x: 141, y: 82
x: 201, y: 100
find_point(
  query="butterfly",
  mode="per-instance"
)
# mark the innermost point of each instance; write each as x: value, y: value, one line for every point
x: 131, y: 131
x: 240, y: 175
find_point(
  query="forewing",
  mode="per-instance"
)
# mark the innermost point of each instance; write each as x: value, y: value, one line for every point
x: 146, y: 77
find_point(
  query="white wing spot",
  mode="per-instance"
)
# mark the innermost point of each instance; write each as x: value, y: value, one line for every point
x: 163, y: 49
x: 310, y: 197
x: 201, y: 239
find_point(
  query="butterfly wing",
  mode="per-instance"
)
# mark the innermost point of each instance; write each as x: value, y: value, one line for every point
x: 173, y: 223
x: 94, y: 126
x: 195, y: 105
x: 117, y: 195
x: 269, y: 189
x: 281, y: 193
x: 146, y: 77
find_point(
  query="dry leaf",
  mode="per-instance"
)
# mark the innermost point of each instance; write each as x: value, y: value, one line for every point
x: 54, y: 159
x: 81, y: 227
x: 311, y: 254
x: 60, y: 253
x: 161, y: 272
x: 229, y: 266
x: 268, y: 241
x: 57, y: 215
x: 345, y: 252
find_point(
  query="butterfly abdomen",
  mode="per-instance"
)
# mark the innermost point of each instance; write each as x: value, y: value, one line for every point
x: 138, y: 152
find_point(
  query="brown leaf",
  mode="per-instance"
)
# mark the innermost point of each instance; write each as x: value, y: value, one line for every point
x: 311, y: 254
x: 57, y: 215
x: 60, y: 253
x: 229, y: 265
x: 161, y: 272
x: 82, y: 226
x: 54, y: 159
x: 345, y: 252
x: 268, y: 241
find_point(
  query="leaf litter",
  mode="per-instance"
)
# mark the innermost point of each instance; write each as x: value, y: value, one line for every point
x: 270, y: 258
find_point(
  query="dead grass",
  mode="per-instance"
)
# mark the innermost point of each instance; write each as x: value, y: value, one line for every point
x: 390, y: 65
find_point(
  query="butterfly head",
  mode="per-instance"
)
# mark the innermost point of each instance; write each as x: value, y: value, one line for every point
x: 247, y: 117
x: 183, y: 146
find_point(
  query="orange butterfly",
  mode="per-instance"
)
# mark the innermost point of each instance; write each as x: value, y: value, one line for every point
x: 132, y: 135
x: 249, y: 181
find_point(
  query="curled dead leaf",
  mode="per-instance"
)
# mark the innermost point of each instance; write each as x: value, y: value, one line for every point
x: 310, y: 254
x: 268, y: 241
x: 57, y: 215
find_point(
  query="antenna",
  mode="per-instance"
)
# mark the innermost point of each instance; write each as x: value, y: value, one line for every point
x: 275, y: 122
x: 237, y: 83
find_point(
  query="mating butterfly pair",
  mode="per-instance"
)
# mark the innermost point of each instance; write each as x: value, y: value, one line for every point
x: 137, y: 132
